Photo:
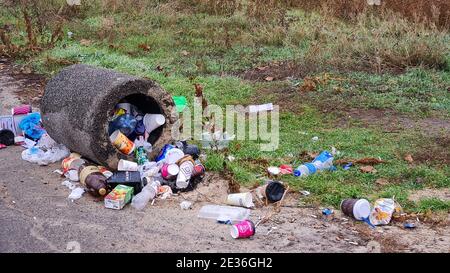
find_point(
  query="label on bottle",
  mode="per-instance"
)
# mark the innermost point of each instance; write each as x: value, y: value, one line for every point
x: 87, y: 171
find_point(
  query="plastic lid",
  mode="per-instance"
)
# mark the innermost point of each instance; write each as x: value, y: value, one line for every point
x: 361, y: 209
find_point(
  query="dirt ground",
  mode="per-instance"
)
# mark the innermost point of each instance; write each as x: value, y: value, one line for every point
x: 36, y: 216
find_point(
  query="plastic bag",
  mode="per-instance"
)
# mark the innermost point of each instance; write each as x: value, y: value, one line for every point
x: 30, y: 125
x: 46, y: 142
x: 76, y: 193
x: 41, y: 157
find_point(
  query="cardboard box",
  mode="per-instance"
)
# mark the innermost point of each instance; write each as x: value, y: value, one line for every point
x: 127, y: 178
x: 119, y: 197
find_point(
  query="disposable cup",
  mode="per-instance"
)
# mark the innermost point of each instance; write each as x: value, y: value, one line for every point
x: 186, y: 169
x: 169, y: 171
x: 243, y: 199
x: 122, y: 143
x: 125, y: 165
x: 153, y: 121
x: 356, y: 208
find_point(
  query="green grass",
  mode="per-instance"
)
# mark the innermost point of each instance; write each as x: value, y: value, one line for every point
x: 433, y: 204
x: 219, y: 46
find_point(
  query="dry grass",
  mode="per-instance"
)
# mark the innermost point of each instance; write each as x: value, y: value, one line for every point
x: 435, y: 12
x: 372, y: 44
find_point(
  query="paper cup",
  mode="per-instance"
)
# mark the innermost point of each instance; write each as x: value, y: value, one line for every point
x: 186, y: 169
x: 71, y: 162
x: 153, y: 121
x: 243, y: 229
x: 244, y: 199
x: 122, y: 143
x: 169, y: 171
x: 125, y: 165
x: 173, y: 155
x: 356, y: 208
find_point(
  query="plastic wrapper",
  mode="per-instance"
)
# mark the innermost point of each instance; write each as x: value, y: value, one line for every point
x: 41, y: 157
x: 30, y: 125
x: 382, y: 211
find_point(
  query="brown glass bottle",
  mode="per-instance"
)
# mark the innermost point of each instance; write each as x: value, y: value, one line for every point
x: 93, y: 180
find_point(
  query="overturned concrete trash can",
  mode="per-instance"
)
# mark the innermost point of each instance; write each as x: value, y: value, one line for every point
x: 78, y: 102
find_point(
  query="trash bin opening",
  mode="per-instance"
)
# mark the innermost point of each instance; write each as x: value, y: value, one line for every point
x: 147, y: 105
x: 129, y: 117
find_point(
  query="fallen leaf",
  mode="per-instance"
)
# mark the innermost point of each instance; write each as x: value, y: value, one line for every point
x: 144, y: 47
x: 184, y: 53
x: 338, y: 89
x: 308, y: 85
x: 312, y: 155
x: 409, y: 158
x: 85, y: 42
x: 368, y: 169
x: 269, y: 79
x: 261, y: 68
x: 382, y: 181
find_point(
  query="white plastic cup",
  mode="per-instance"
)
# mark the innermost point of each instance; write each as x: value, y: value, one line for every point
x: 186, y: 169
x: 243, y: 199
x: 153, y: 121
x: 125, y: 165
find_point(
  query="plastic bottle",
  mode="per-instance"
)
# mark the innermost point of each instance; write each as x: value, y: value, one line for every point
x: 93, y: 180
x: 149, y: 192
x: 125, y: 123
x: 323, y: 161
x: 306, y: 169
x: 224, y: 213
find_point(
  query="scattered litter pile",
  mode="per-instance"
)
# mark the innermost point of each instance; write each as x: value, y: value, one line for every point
x: 136, y: 170
x: 176, y: 167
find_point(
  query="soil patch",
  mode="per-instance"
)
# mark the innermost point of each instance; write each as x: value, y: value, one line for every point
x: 442, y: 194
x: 436, y: 150
x: 28, y: 86
x: 391, y: 121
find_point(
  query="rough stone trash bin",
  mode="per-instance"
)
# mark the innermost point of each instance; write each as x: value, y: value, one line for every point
x: 79, y: 101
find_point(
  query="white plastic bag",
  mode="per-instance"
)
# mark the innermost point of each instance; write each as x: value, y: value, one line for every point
x: 76, y: 193
x: 41, y: 157
x: 46, y: 142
